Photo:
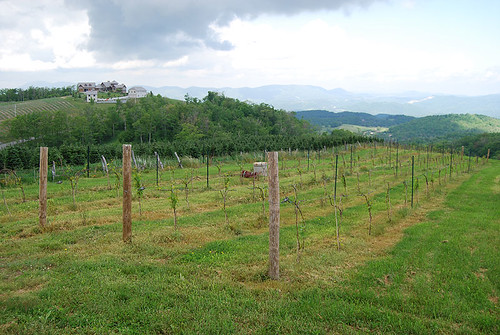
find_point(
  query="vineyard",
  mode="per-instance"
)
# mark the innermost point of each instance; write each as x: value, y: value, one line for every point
x: 199, y: 243
x: 9, y: 110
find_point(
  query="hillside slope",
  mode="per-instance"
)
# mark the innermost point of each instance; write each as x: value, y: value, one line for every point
x: 331, y: 119
x: 444, y: 126
x: 65, y: 105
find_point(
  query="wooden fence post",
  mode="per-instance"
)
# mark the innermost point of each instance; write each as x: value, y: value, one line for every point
x: 127, y: 193
x: 208, y: 164
x: 88, y: 161
x: 274, y: 215
x: 335, y: 202
x: 42, y: 195
x: 397, y: 158
x: 412, y: 177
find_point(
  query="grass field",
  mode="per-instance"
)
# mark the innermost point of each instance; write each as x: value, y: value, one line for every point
x: 367, y: 131
x: 433, y: 268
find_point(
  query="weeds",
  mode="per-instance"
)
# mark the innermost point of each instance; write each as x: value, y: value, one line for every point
x: 173, y: 203
x: 139, y: 188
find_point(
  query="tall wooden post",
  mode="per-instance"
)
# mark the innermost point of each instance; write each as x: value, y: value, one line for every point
x: 208, y: 163
x: 488, y: 156
x: 88, y: 161
x: 274, y: 216
x: 397, y: 158
x: 335, y: 202
x: 307, y: 159
x: 468, y: 167
x: 42, y: 195
x: 390, y: 153
x: 412, y: 177
x: 351, y: 157
x: 127, y: 193
x: 335, y: 185
x: 451, y: 161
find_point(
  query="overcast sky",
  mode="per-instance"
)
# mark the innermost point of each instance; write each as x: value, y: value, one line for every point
x: 389, y: 46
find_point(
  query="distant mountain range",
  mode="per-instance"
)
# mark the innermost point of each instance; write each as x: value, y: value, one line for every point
x: 301, y: 97
x: 304, y: 97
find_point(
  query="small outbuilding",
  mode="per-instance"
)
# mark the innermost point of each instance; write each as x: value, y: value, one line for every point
x: 137, y: 92
x: 91, y: 96
x: 260, y: 168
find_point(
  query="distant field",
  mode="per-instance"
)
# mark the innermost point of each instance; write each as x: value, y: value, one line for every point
x: 10, y: 109
x: 360, y: 129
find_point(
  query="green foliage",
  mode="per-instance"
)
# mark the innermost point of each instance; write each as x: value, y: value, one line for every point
x: 478, y: 145
x: 34, y: 93
x: 331, y: 119
x: 173, y: 198
x: 436, y: 127
x: 138, y: 184
x: 217, y: 124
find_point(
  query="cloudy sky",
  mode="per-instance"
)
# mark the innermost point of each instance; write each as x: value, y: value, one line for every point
x: 388, y: 46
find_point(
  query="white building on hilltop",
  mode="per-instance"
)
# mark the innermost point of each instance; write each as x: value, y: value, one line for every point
x: 137, y: 92
x: 91, y: 96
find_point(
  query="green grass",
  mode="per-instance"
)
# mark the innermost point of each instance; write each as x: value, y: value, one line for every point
x: 441, y: 276
x: 362, y: 130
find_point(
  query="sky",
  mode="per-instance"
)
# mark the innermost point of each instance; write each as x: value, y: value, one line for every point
x: 374, y: 46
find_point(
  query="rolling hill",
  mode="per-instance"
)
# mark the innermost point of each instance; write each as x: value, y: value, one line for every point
x: 439, y: 127
x: 404, y: 128
x: 326, y: 118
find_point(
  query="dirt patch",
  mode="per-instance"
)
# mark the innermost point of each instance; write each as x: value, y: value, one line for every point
x: 494, y: 300
x: 496, y: 185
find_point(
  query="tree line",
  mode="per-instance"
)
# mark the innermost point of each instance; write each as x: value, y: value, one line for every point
x: 216, y: 125
x: 34, y: 93
x: 156, y: 118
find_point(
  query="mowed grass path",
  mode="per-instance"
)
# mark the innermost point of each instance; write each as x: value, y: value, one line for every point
x: 443, y: 276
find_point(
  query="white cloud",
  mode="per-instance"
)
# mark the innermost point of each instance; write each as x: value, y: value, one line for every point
x: 178, y: 62
x: 133, y: 64
x: 44, y: 37
x: 23, y: 63
x: 241, y: 43
x: 326, y: 54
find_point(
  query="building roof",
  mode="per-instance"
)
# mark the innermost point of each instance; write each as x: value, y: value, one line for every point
x: 137, y: 88
x: 86, y: 84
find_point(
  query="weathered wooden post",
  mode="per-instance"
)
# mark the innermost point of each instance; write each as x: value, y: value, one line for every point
x: 335, y: 202
x: 307, y: 159
x: 451, y: 161
x: 351, y: 157
x: 157, y: 167
x: 274, y: 215
x: 88, y: 161
x: 208, y: 164
x: 412, y: 177
x: 397, y: 158
x: 488, y: 156
x: 42, y: 195
x: 127, y: 193
x: 468, y: 167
